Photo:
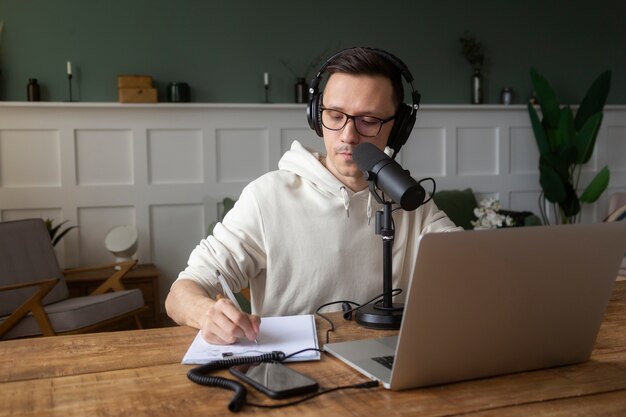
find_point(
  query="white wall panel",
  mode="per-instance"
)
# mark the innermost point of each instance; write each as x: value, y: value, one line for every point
x: 424, y: 153
x: 616, y: 144
x: 30, y: 158
x: 477, y: 151
x: 242, y: 154
x: 166, y: 167
x: 524, y: 153
x: 305, y: 136
x: 42, y: 213
x: 95, y: 223
x: 175, y: 156
x: 104, y: 157
x: 525, y: 201
x: 170, y: 225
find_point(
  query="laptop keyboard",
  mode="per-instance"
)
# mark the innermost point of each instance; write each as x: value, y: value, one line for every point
x: 386, y: 361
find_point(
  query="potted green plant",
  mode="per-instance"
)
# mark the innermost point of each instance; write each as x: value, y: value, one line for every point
x: 566, y: 142
x: 57, y: 232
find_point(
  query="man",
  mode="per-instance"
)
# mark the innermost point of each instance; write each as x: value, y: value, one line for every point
x: 301, y: 236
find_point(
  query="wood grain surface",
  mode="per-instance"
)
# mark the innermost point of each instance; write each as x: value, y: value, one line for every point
x: 138, y: 373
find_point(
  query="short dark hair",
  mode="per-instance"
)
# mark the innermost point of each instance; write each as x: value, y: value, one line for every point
x: 365, y: 61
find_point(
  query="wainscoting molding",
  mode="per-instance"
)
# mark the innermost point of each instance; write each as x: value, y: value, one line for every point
x: 164, y: 168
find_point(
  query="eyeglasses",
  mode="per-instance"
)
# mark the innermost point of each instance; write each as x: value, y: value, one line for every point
x: 367, y: 126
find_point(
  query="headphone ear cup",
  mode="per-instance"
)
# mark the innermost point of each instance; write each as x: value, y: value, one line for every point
x: 314, y: 114
x: 402, y: 127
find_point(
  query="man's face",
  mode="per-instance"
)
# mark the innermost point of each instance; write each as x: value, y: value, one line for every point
x: 356, y: 95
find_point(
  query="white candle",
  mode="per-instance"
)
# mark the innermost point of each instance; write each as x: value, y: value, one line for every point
x: 266, y: 78
x: 69, y: 68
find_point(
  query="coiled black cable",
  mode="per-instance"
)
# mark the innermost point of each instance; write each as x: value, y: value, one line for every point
x: 198, y: 375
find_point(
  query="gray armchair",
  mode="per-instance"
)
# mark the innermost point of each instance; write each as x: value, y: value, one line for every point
x: 34, y: 298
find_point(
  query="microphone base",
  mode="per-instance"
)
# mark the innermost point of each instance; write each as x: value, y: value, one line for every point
x: 374, y: 317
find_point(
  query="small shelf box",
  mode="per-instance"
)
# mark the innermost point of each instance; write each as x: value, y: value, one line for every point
x: 136, y: 89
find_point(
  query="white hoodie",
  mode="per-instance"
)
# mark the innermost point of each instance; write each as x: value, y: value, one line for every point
x: 300, y: 238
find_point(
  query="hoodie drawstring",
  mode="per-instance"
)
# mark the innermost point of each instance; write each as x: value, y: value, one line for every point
x: 346, y: 200
x: 346, y: 204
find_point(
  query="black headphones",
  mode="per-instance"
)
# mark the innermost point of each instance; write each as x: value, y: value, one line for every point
x: 405, y: 116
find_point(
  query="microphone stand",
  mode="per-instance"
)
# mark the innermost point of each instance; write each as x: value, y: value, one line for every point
x: 385, y: 315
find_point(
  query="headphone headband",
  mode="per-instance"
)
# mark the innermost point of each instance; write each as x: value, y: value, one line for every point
x: 405, y: 115
x: 397, y: 62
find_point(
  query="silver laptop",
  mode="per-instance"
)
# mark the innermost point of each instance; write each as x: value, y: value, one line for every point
x: 492, y: 302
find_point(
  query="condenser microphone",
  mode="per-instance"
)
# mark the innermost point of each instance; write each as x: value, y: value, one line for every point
x: 389, y: 176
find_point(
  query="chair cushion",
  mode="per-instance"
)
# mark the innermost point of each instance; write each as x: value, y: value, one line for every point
x: 27, y: 255
x: 459, y: 205
x: 76, y: 313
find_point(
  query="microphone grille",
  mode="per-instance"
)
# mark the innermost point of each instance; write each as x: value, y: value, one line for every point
x: 367, y: 156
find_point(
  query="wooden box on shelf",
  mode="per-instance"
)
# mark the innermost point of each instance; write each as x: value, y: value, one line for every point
x: 134, y: 81
x: 136, y: 89
x: 137, y: 95
x: 143, y: 276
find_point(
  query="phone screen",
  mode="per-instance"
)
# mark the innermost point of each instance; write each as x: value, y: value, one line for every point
x: 275, y: 379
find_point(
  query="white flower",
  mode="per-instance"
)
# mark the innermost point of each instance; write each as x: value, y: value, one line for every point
x: 488, y: 217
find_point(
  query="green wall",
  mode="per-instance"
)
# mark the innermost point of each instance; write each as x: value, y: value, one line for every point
x: 222, y: 48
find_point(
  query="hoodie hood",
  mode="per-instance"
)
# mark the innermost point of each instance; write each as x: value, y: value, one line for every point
x: 307, y: 164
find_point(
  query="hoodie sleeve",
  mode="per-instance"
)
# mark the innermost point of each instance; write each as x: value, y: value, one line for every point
x: 236, y: 249
x: 435, y: 220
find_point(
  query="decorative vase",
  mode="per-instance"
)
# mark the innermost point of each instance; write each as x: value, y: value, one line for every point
x: 477, y: 87
x: 32, y: 90
x: 301, y: 91
x: 178, y: 92
x: 507, y: 96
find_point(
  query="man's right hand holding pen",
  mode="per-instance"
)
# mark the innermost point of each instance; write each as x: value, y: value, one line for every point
x: 221, y: 322
x: 224, y: 322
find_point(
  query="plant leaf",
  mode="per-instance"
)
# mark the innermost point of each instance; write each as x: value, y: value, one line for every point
x: 562, y: 136
x: 540, y: 133
x: 567, y: 158
x: 54, y: 230
x: 594, y: 100
x: 558, y: 163
x: 566, y: 126
x: 570, y: 206
x: 597, y: 186
x: 585, y: 139
x: 63, y: 233
x: 547, y: 99
x: 551, y: 183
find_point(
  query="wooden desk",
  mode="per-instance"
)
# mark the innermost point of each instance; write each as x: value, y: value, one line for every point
x: 138, y: 373
x: 144, y: 277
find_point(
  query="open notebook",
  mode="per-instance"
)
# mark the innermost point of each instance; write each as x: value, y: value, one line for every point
x: 287, y: 334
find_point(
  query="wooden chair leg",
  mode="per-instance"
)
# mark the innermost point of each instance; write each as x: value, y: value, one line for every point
x: 137, y: 321
x: 33, y: 304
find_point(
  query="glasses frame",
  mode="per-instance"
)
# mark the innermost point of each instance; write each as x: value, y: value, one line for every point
x: 353, y: 118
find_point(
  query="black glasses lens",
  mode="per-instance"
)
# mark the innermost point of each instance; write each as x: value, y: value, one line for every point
x: 333, y: 119
x: 367, y: 126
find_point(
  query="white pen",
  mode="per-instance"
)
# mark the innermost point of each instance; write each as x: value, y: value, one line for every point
x: 229, y: 293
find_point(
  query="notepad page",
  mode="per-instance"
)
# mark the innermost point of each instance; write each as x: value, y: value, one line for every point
x: 287, y: 334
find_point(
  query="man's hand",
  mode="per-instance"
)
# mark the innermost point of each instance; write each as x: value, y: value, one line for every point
x: 223, y: 323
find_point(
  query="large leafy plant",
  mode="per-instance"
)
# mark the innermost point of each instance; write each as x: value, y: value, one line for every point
x: 566, y: 142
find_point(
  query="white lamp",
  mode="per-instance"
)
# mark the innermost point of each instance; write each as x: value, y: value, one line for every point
x: 121, y: 241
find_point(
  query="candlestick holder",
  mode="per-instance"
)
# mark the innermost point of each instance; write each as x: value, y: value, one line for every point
x: 69, y: 83
x: 267, y: 93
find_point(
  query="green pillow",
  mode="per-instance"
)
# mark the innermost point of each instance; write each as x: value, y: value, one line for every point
x: 459, y: 205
